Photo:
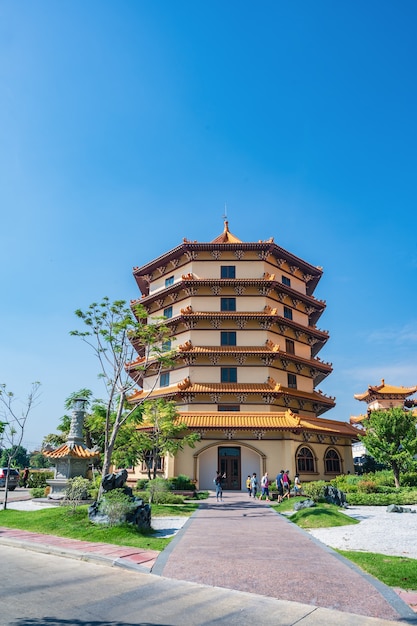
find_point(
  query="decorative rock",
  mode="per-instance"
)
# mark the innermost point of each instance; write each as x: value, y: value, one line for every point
x: 394, y: 508
x: 335, y: 496
x: 304, y: 504
x: 140, y: 514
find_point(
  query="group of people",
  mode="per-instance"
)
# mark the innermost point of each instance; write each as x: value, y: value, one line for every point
x: 252, y: 485
x: 283, y: 485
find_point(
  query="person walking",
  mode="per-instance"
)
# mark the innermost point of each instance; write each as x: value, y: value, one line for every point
x: 280, y: 486
x: 249, y: 485
x: 25, y: 477
x: 254, y: 485
x: 286, y: 484
x: 219, y: 488
x: 265, y: 487
x: 297, y: 485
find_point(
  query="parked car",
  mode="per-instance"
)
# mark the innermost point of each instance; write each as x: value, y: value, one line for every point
x: 13, y: 478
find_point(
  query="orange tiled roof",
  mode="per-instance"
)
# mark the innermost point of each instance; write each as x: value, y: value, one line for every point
x: 282, y: 420
x: 234, y: 387
x: 269, y: 346
x: 226, y: 236
x: 271, y: 386
x: 234, y: 419
x: 319, y: 424
x: 357, y: 419
x: 77, y: 451
x: 383, y: 389
x: 140, y: 394
x: 186, y: 385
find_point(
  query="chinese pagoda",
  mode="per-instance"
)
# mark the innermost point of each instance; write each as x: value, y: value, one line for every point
x: 243, y: 321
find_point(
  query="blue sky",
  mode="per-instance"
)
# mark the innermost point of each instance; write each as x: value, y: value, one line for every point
x: 126, y: 126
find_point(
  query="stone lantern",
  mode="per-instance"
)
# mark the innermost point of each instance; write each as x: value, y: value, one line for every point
x: 73, y: 457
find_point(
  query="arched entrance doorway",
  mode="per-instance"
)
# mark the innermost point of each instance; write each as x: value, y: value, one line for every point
x: 237, y: 461
x: 230, y: 466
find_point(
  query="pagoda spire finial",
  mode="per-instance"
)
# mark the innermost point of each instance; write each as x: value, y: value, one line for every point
x: 225, y: 220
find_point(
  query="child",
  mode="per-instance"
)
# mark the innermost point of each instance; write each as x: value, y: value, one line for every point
x: 249, y: 485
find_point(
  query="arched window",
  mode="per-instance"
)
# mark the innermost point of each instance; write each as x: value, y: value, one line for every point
x: 305, y: 460
x: 332, y: 462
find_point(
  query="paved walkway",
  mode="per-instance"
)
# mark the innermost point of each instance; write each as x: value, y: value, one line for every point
x: 243, y: 545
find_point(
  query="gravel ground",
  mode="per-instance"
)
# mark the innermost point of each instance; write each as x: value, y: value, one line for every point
x: 381, y: 532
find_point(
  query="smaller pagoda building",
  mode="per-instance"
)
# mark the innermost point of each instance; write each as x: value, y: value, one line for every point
x: 384, y: 397
x: 72, y: 458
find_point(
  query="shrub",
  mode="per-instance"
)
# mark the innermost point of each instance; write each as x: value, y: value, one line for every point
x: 402, y: 497
x: 367, y: 486
x: 170, y: 498
x: 201, y: 495
x: 164, y: 497
x: 315, y: 489
x: 37, y: 492
x: 116, y: 505
x: 409, y: 479
x: 156, y: 488
x: 182, y: 483
x: 142, y: 484
x: 38, y: 479
x: 77, y: 490
x: 346, y: 482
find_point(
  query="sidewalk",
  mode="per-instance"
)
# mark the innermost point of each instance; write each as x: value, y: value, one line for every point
x: 243, y: 545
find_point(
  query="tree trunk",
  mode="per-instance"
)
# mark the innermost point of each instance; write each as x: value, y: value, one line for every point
x: 396, y: 471
x: 110, y: 442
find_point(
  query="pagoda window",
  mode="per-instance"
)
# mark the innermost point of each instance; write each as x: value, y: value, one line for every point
x: 169, y: 281
x: 227, y: 304
x: 286, y: 281
x: 332, y: 462
x: 166, y: 346
x: 164, y: 380
x: 287, y: 313
x: 289, y: 346
x: 228, y: 374
x: 292, y: 381
x: 227, y: 271
x: 305, y: 460
x: 168, y: 312
x: 228, y: 338
x: 228, y: 407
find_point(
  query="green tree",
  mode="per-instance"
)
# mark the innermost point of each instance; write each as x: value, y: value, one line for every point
x: 13, y: 423
x: 112, y: 331
x: 161, y: 432
x: 18, y: 454
x: 391, y: 438
x: 38, y: 461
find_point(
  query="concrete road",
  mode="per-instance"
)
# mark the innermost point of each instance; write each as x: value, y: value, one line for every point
x: 20, y: 493
x: 42, y: 589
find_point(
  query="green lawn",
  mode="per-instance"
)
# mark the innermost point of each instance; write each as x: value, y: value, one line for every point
x: 394, y: 571
x: 62, y: 522
x: 320, y: 516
